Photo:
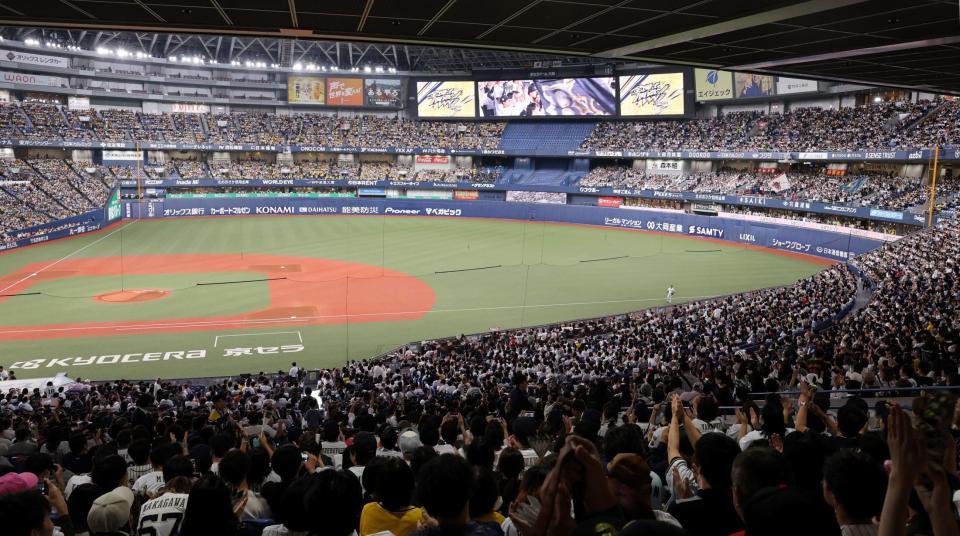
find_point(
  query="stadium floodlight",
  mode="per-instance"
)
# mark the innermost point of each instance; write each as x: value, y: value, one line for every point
x: 31, y: 42
x: 367, y: 69
x: 878, y: 98
x: 103, y: 51
x: 392, y: 69
x: 298, y: 66
x: 172, y: 58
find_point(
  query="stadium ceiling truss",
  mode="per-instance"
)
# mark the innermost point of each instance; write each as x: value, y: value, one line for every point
x: 905, y: 43
x: 227, y: 49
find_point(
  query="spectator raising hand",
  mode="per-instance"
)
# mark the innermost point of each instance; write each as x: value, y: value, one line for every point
x: 910, y: 468
x: 577, y: 477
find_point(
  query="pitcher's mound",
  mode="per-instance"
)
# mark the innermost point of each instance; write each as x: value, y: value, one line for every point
x: 132, y: 295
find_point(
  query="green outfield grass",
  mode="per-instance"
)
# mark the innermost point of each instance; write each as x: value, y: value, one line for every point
x: 539, y: 278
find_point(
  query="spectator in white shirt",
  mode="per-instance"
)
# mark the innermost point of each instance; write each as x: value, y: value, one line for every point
x: 363, y: 449
x: 139, y: 463
x: 388, y: 442
x: 523, y: 429
x: 449, y: 432
x: 149, y: 484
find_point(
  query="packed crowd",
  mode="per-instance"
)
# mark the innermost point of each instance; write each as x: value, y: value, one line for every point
x: 40, y: 191
x: 10, y: 237
x: 609, y: 426
x: 828, y: 219
x: 874, y: 126
x: 311, y: 169
x: 622, y: 177
x: 45, y: 121
x: 381, y: 132
x: 940, y: 129
x: 395, y: 172
x: 861, y: 188
x: 271, y: 191
x: 381, y: 171
x: 518, y: 196
x: 864, y: 188
x: 728, y: 132
x: 245, y: 169
x: 879, y: 126
x: 83, y: 191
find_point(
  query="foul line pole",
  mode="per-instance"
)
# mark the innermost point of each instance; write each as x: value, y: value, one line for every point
x: 933, y: 185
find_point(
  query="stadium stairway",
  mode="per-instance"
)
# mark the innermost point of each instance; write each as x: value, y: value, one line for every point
x: 550, y: 172
x: 545, y: 137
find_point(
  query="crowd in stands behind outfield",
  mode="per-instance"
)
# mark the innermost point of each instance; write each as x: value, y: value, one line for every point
x: 729, y: 132
x: 607, y: 426
x: 867, y: 225
x: 882, y: 126
x: 874, y: 126
x: 940, y: 129
x: 383, y: 171
x: 862, y: 188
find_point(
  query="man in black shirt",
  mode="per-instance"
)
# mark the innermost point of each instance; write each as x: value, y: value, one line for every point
x: 712, y: 512
x: 518, y: 397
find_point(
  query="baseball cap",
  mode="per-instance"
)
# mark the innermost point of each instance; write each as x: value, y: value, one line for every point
x: 17, y: 482
x: 409, y: 442
x: 111, y: 511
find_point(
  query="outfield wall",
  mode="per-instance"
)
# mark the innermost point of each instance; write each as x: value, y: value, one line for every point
x: 811, y: 241
x: 587, y: 192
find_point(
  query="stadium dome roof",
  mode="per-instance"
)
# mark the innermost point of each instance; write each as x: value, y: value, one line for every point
x: 877, y: 42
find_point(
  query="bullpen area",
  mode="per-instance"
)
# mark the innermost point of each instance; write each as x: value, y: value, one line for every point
x: 207, y: 297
